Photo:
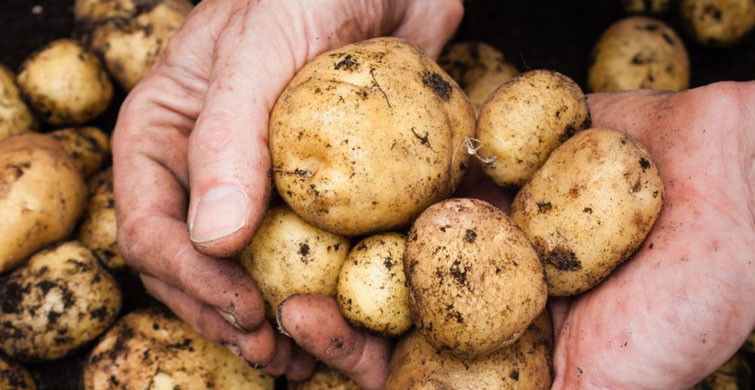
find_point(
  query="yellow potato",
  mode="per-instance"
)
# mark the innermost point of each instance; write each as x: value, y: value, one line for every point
x: 325, y: 378
x: 15, y: 116
x: 718, y: 23
x: 98, y: 229
x: 87, y: 146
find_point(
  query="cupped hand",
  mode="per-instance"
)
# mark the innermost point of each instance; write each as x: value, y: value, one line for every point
x: 192, y: 168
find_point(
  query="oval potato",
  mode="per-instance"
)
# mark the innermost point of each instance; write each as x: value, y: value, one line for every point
x: 15, y: 116
x: 718, y: 23
x: 98, y: 229
x: 87, y: 146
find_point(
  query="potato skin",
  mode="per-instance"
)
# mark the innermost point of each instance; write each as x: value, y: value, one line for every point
x: 524, y: 120
x: 15, y: 377
x: 15, y: 116
x: 87, y: 146
x: 153, y: 347
x: 60, y: 300
x: 717, y: 23
x: 42, y: 196
x: 98, y: 229
x: 325, y: 378
x: 289, y: 256
x: 655, y: 7
x: 367, y: 136
x: 525, y: 365
x: 589, y: 207
x: 371, y: 291
x: 638, y: 52
x: 475, y: 283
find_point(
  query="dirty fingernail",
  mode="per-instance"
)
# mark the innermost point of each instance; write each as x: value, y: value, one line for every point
x: 229, y: 318
x: 221, y: 212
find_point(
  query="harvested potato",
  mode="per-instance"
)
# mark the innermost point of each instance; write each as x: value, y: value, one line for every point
x: 15, y: 377
x: 475, y: 283
x: 735, y: 374
x: 60, y: 300
x: 367, y: 136
x: 98, y: 230
x: 524, y: 120
x: 65, y: 83
x: 88, y: 12
x: 371, y: 291
x: 152, y: 348
x: 524, y: 365
x: 325, y: 378
x: 589, y: 207
x: 718, y: 23
x: 87, y: 146
x: 478, y: 68
x: 288, y: 256
x: 638, y: 52
x: 42, y: 196
x: 15, y: 116
x: 655, y: 7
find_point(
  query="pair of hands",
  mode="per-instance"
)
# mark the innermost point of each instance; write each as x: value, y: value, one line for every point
x: 190, y: 155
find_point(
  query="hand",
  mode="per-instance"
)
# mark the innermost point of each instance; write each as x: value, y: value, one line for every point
x: 191, y: 163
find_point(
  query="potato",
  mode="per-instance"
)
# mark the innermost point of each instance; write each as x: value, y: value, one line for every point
x: 98, y: 230
x: 735, y: 374
x: 60, y: 300
x: 367, y: 136
x: 475, y: 283
x: 524, y: 365
x: 15, y: 116
x: 152, y: 349
x: 371, y: 291
x: 718, y: 23
x: 87, y: 146
x: 656, y: 7
x: 15, y: 377
x: 288, y: 256
x: 42, y: 196
x: 524, y: 120
x: 638, y: 52
x: 65, y: 83
x: 478, y: 68
x: 589, y: 207
x: 325, y: 378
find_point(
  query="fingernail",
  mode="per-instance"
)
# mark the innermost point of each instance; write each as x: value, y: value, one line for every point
x: 221, y: 212
x: 229, y: 318
x: 234, y: 349
x: 279, y: 319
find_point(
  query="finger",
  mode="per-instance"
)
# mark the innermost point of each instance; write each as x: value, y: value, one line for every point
x: 429, y: 24
x: 315, y: 323
x: 302, y: 365
x: 559, y: 308
x: 282, y: 358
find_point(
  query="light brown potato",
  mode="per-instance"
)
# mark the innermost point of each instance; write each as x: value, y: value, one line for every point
x: 478, y: 68
x: 60, y: 300
x: 589, y: 207
x: 15, y: 116
x: 735, y: 374
x: 42, y: 195
x: 638, y: 52
x: 475, y: 283
x: 718, y: 23
x: 153, y: 348
x: 15, y: 377
x: 325, y: 378
x: 289, y: 256
x: 655, y: 7
x: 524, y: 365
x: 367, y: 136
x: 88, y: 146
x: 88, y: 12
x: 524, y: 120
x: 98, y: 230
x: 371, y: 291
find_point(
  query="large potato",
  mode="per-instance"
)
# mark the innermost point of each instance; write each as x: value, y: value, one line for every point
x: 475, y: 283
x: 524, y: 120
x: 15, y: 116
x: 589, y: 207
x: 60, y: 300
x: 87, y: 146
x: 288, y: 256
x: 98, y: 230
x: 524, y: 365
x: 718, y: 23
x: 152, y: 349
x: 367, y: 136
x: 325, y: 378
x: 15, y: 377
x: 42, y: 196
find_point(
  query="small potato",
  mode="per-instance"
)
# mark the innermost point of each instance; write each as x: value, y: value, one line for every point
x: 718, y: 23
x: 638, y: 52
x: 15, y: 377
x: 288, y: 256
x: 589, y: 207
x: 524, y: 365
x: 735, y: 374
x: 524, y: 120
x: 96, y: 11
x: 478, y: 68
x: 65, y: 83
x: 42, y: 195
x: 87, y: 146
x: 655, y: 7
x: 153, y: 349
x: 98, y: 230
x: 325, y: 378
x: 367, y: 136
x: 15, y: 116
x: 475, y: 283
x: 371, y: 290
x: 60, y: 300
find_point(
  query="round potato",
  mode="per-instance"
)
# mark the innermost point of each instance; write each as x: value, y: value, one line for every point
x: 65, y: 83
x: 735, y: 374
x: 15, y: 377
x: 15, y: 116
x: 367, y: 136
x: 98, y: 230
x: 655, y: 7
x: 524, y: 365
x: 288, y: 256
x: 371, y: 291
x: 589, y: 207
x: 478, y: 68
x: 524, y: 120
x: 325, y: 378
x: 60, y: 300
x: 87, y: 146
x: 151, y: 347
x: 718, y: 23
x: 475, y: 283
x: 638, y: 52
x: 42, y: 195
